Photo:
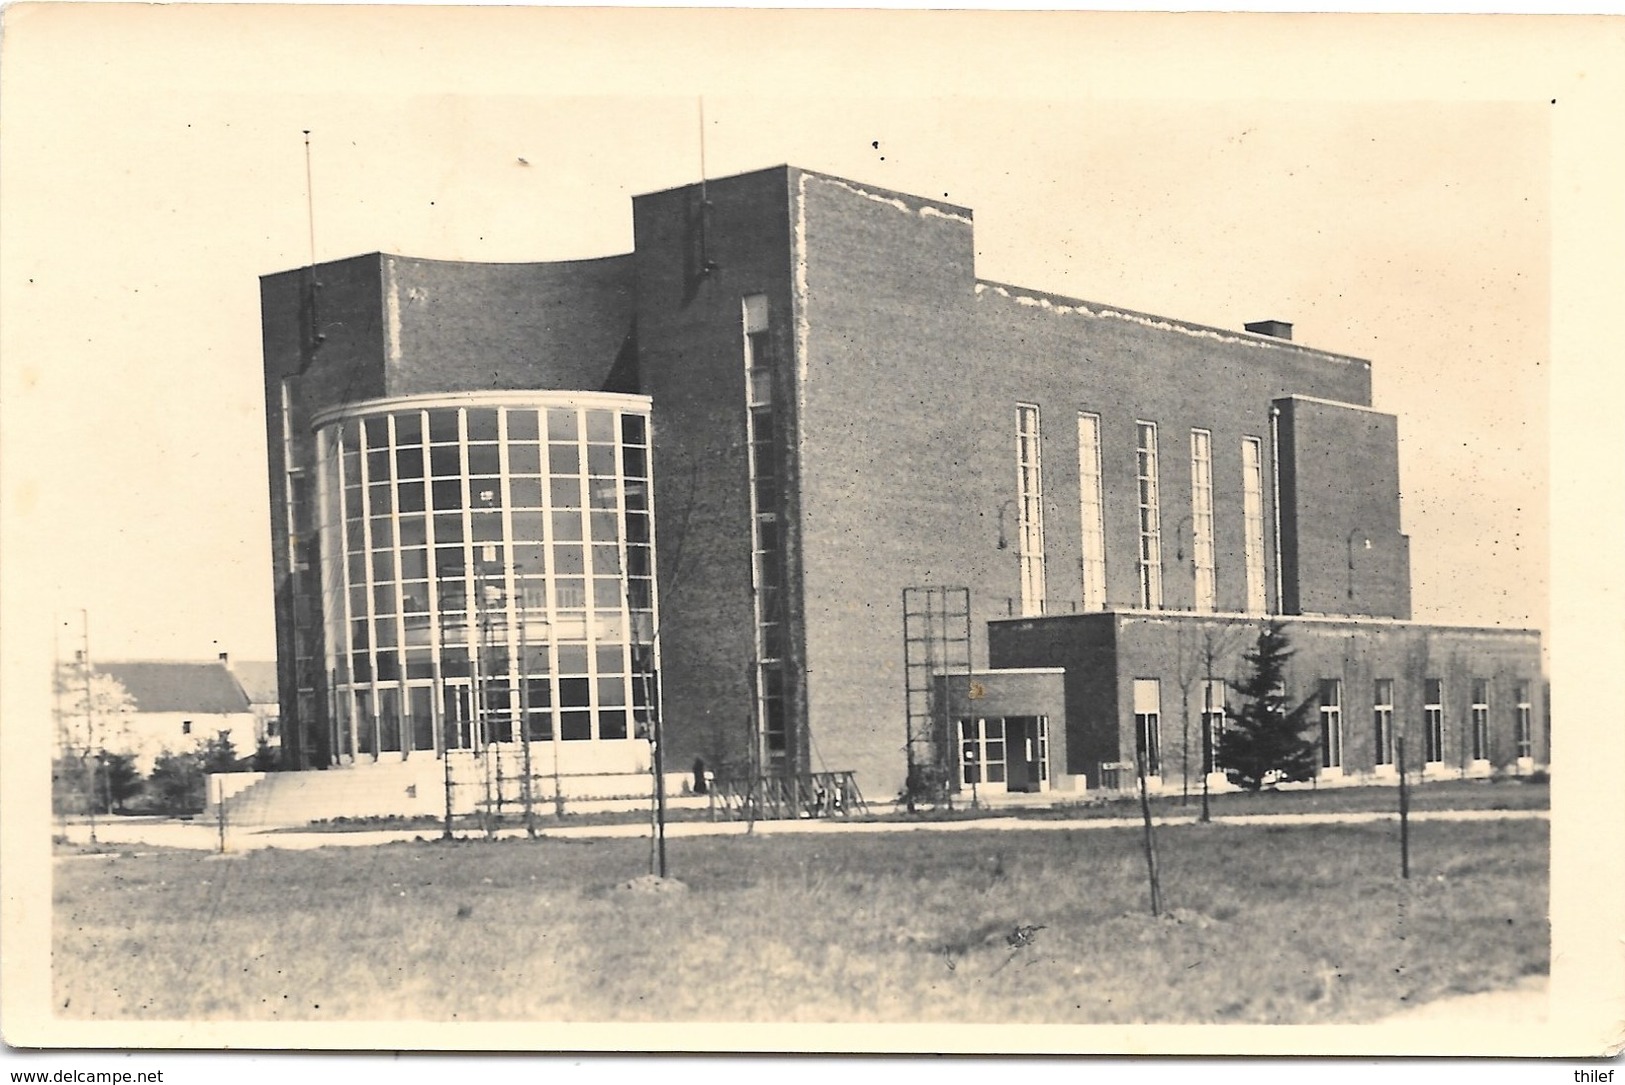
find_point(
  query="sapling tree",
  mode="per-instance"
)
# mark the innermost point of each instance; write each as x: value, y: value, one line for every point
x: 1266, y: 737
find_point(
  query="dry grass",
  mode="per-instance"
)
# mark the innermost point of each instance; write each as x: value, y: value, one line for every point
x: 1495, y: 793
x: 1302, y: 924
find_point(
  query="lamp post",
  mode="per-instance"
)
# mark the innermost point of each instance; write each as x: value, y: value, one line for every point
x: 1349, y: 542
x: 1004, y: 541
x: 1004, y: 544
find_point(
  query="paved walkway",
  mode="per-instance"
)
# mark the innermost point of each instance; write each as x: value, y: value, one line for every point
x: 201, y: 836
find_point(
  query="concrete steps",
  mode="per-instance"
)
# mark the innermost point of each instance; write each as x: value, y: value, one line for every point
x: 417, y: 787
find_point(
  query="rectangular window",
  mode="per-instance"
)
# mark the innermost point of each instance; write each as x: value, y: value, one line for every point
x: 1331, y: 723
x: 1213, y: 714
x: 1481, y: 719
x: 1030, y: 508
x: 982, y: 758
x: 1203, y: 569
x: 1382, y: 719
x: 1433, y: 721
x: 758, y: 367
x: 1523, y: 734
x: 1252, y: 507
x: 1092, y: 507
x: 1150, y: 516
x: 1148, y: 725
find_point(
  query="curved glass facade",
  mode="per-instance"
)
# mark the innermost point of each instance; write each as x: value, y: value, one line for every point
x: 487, y: 572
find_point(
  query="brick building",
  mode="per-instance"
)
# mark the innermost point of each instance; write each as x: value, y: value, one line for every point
x: 831, y: 408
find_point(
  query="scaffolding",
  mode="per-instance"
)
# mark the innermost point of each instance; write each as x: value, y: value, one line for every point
x: 936, y: 648
x: 786, y: 795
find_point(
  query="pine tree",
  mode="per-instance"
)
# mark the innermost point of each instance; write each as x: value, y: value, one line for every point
x: 120, y: 780
x: 1265, y: 737
x: 177, y: 782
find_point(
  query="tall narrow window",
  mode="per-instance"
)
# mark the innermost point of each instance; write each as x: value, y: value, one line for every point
x: 1252, y: 507
x: 767, y: 554
x: 1150, y: 517
x: 1030, y: 513
x: 1481, y: 719
x: 1331, y: 723
x: 1213, y: 712
x: 1433, y: 721
x: 1148, y: 725
x: 1523, y: 734
x: 1092, y: 503
x: 1382, y: 720
x: 1202, y: 562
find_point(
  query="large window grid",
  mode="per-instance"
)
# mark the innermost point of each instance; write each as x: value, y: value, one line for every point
x: 1092, y: 506
x: 1252, y: 505
x: 1204, y: 571
x: 1150, y: 515
x: 1030, y: 508
x: 506, y: 549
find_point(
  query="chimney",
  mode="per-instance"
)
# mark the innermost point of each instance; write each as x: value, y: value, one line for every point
x: 1280, y: 329
x: 225, y: 659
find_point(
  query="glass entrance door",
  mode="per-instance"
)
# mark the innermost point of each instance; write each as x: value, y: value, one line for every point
x: 1002, y: 754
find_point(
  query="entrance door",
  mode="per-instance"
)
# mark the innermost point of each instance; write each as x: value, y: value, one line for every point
x: 1027, y: 747
x: 1004, y: 753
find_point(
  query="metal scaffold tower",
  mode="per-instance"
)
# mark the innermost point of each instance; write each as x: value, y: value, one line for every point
x: 936, y: 646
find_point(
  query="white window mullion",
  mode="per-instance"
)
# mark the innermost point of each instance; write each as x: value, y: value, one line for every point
x: 1150, y: 516
x: 1092, y: 511
x: 1030, y: 508
x: 1252, y: 481
x: 1203, y: 570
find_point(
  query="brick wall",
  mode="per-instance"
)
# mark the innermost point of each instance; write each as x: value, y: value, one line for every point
x: 691, y: 362
x: 1341, y: 548
x: 345, y: 364
x: 913, y: 375
x: 1086, y: 646
x: 1171, y: 648
x: 459, y: 327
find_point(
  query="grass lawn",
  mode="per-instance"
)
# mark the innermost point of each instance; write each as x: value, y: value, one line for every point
x: 1489, y: 794
x: 1267, y: 924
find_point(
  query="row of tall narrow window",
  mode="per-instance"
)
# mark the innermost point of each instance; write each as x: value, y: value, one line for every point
x: 1212, y: 700
x: 1092, y: 513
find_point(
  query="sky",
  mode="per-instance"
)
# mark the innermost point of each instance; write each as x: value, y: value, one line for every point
x: 155, y: 168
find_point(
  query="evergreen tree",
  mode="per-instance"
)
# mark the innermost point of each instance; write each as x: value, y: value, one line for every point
x: 177, y: 782
x: 1265, y: 738
x: 265, y: 757
x: 120, y: 780
x: 219, y: 754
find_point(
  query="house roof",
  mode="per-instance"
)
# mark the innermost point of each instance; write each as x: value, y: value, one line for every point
x: 258, y: 679
x: 165, y: 686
